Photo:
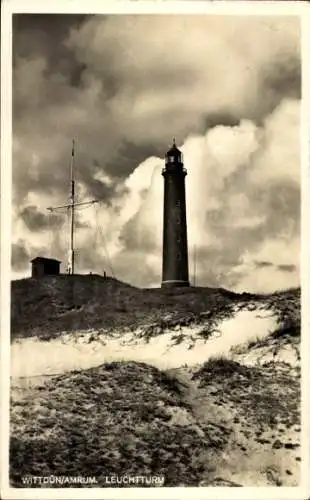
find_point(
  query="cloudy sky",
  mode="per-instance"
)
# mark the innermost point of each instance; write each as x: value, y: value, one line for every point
x: 228, y: 89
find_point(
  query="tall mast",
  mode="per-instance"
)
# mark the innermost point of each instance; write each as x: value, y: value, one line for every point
x: 71, y: 208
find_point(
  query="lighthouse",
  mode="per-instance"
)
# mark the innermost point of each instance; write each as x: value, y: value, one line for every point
x: 175, y: 252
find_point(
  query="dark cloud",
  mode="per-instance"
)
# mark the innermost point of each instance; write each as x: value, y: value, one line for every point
x: 38, y: 221
x: 129, y: 155
x: 220, y: 118
x: 263, y: 263
x: 283, y: 78
x: 287, y: 268
x: 20, y: 257
x: 43, y: 35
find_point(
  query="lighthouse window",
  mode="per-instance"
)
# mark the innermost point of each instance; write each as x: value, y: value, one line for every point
x: 178, y: 256
x: 178, y: 203
x: 171, y: 159
x: 178, y: 215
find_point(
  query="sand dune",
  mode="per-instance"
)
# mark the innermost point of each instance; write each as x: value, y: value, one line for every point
x: 170, y: 349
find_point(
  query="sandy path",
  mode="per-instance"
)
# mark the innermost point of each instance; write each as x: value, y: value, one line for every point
x: 31, y: 357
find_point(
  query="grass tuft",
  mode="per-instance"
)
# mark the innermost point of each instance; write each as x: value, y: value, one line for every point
x: 221, y: 366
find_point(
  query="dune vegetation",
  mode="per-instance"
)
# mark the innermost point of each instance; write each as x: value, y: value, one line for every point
x: 228, y: 417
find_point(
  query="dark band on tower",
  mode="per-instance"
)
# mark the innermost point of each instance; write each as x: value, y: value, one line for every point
x: 175, y: 252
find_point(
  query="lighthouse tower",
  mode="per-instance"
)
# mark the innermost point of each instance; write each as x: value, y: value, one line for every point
x: 175, y: 253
